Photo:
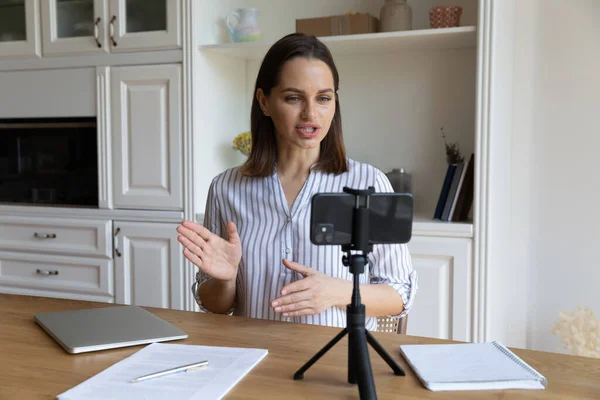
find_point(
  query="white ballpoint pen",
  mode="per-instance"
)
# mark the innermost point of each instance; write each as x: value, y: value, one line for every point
x: 183, y: 368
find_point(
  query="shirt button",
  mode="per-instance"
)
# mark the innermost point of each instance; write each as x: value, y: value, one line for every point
x: 288, y: 250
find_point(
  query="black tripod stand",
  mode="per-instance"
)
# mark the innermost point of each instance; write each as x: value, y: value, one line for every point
x: 359, y: 364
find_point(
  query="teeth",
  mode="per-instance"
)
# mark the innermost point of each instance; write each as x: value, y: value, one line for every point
x: 308, y: 130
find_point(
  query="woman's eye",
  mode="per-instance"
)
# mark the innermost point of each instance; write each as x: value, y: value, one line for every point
x: 324, y: 99
x: 292, y: 98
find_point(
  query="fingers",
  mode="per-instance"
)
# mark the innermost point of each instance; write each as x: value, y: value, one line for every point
x: 194, y: 259
x: 296, y: 297
x: 197, y: 229
x: 296, y: 309
x: 192, y: 236
x: 194, y: 248
x: 296, y: 286
x: 302, y: 269
x: 232, y: 233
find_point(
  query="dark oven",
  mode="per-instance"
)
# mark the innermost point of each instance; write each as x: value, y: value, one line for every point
x: 49, y: 161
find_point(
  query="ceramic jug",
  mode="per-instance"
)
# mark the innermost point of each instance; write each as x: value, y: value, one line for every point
x: 242, y: 25
x: 395, y: 15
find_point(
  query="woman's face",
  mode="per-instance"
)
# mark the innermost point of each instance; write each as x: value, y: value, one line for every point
x: 302, y: 105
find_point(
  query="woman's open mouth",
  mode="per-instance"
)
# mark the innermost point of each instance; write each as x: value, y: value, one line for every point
x: 308, y: 131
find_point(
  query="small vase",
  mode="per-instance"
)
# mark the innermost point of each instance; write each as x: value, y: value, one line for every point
x: 242, y: 25
x: 395, y: 15
x: 401, y: 180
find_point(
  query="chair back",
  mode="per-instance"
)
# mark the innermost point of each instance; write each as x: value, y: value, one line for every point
x: 392, y: 325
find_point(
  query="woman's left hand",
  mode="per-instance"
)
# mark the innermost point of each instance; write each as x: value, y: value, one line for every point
x: 312, y: 295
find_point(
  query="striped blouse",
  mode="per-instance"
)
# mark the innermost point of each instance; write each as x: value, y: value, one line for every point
x: 269, y: 231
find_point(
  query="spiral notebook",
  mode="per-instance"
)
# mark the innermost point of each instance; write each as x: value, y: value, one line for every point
x: 470, y: 366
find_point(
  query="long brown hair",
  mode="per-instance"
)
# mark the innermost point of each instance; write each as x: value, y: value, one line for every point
x: 263, y: 155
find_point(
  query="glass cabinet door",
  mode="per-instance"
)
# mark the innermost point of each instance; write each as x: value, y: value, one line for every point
x: 13, y: 24
x: 145, y: 16
x: 73, y: 26
x: 145, y: 24
x: 18, y: 28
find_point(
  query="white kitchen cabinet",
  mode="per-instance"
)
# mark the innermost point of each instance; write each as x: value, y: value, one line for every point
x: 146, y: 120
x: 91, y: 26
x: 148, y: 265
x: 76, y: 236
x: 442, y: 306
x: 144, y: 25
x: 74, y: 26
x: 19, y: 29
x: 69, y: 277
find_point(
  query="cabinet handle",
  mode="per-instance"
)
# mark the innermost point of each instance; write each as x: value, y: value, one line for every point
x: 116, y: 242
x: 46, y: 272
x: 112, y: 30
x: 44, y: 235
x: 96, y: 31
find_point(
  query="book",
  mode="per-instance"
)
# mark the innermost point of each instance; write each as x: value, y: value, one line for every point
x: 226, y: 367
x: 457, y: 193
x: 470, y: 366
x: 439, y: 209
x: 465, y: 194
x: 452, y: 192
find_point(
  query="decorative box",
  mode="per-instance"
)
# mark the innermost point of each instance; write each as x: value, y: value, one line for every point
x: 348, y: 24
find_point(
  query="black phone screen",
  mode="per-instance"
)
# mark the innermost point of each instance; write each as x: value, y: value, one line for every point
x: 390, y: 218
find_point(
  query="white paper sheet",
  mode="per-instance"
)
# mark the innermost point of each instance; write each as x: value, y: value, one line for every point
x: 227, y: 366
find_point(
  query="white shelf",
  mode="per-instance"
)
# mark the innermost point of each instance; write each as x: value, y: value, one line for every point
x: 423, y: 226
x: 369, y: 43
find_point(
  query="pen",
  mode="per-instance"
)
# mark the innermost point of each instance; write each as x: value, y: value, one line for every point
x: 183, y: 368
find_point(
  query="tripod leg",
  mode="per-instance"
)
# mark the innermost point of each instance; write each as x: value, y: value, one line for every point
x: 300, y: 373
x: 351, y: 363
x: 384, y: 354
x: 363, y: 373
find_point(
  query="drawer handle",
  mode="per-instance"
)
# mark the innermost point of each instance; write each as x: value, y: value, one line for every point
x: 116, y: 242
x: 96, y: 33
x: 46, y: 272
x: 45, y: 235
x: 112, y: 30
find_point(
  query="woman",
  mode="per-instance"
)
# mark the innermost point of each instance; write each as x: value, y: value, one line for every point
x: 254, y: 252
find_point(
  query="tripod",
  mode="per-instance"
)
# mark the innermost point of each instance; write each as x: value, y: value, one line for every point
x: 359, y: 364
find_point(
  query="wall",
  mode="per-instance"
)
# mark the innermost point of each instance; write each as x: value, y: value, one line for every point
x: 556, y: 138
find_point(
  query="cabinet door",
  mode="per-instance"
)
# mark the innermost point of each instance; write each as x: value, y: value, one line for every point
x: 74, y: 26
x: 148, y: 265
x: 145, y: 25
x: 442, y: 307
x: 19, y: 29
x: 146, y: 137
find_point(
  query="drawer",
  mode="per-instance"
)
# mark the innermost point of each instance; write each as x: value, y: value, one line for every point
x: 86, y: 237
x: 56, y: 273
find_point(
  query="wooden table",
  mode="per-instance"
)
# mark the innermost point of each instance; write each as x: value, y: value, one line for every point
x: 32, y: 365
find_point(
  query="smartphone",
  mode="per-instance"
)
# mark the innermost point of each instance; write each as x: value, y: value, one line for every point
x: 332, y: 216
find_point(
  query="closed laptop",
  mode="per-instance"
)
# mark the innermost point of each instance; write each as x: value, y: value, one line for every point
x: 80, y: 331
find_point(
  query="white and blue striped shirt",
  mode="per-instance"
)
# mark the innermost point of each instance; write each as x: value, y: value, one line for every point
x: 269, y: 231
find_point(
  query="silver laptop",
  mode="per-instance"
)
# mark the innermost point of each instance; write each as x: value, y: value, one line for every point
x: 80, y: 331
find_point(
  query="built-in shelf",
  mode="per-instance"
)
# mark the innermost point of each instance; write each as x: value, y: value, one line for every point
x: 369, y: 43
x: 423, y: 226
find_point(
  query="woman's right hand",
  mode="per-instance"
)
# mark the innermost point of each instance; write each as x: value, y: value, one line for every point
x: 214, y: 255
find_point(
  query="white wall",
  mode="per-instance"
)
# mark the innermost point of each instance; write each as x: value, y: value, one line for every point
x: 555, y: 148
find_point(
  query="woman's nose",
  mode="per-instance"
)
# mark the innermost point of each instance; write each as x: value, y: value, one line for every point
x: 309, y: 111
